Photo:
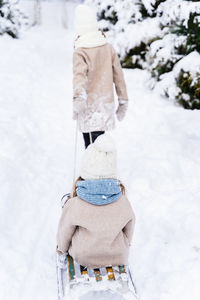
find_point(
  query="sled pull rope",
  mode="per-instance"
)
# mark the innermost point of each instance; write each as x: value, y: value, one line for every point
x: 75, y: 152
x: 90, y: 135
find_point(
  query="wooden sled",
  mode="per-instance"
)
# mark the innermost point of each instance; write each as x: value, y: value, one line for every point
x: 74, y: 281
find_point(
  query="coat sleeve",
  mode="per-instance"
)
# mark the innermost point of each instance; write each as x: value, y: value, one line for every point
x: 118, y: 78
x: 66, y: 229
x: 80, y: 80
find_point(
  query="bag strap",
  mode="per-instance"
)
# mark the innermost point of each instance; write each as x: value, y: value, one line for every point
x: 75, y: 151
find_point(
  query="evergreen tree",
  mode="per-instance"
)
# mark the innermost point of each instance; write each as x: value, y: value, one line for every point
x: 149, y: 9
x: 191, y: 30
x: 115, y: 12
x: 11, y: 18
x: 189, y: 85
x: 181, y: 26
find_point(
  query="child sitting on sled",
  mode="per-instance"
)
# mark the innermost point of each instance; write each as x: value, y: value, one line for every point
x: 96, y: 67
x: 96, y: 225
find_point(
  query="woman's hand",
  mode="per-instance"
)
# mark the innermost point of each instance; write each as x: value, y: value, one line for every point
x: 79, y: 105
x: 121, y: 110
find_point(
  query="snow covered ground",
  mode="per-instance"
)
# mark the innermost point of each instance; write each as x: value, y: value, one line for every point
x: 159, y: 162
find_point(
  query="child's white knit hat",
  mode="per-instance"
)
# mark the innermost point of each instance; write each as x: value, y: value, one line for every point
x: 99, y: 160
x: 85, y: 19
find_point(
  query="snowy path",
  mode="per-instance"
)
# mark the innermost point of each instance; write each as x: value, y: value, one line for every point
x: 159, y: 158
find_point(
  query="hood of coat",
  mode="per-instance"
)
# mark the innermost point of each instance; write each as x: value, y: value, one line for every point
x: 91, y: 39
x: 99, y: 192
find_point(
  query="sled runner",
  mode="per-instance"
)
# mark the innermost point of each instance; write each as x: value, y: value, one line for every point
x: 75, y: 281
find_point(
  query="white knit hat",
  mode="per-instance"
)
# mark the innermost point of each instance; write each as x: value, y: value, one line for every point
x: 85, y: 19
x: 99, y: 160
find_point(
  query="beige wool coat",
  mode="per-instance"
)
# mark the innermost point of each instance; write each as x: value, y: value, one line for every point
x: 96, y: 236
x: 95, y: 70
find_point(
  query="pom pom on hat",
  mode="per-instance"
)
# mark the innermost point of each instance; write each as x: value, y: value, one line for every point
x: 99, y: 160
x: 85, y: 19
x: 104, y: 143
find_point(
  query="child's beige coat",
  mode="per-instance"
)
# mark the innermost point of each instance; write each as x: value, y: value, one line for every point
x: 95, y: 70
x: 96, y: 236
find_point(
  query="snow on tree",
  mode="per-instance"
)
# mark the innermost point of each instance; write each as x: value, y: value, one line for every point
x: 117, y: 17
x: 130, y: 26
x: 156, y: 35
x: 181, y: 28
x: 11, y: 18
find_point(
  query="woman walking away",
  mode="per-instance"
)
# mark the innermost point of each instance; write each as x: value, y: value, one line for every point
x: 96, y: 225
x: 96, y: 67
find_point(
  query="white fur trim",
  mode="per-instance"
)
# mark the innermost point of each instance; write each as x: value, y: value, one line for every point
x: 90, y: 40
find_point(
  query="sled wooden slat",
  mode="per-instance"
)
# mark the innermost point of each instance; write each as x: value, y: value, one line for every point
x: 122, y: 269
x: 71, y: 268
x: 84, y: 273
x: 110, y: 273
x: 97, y: 274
